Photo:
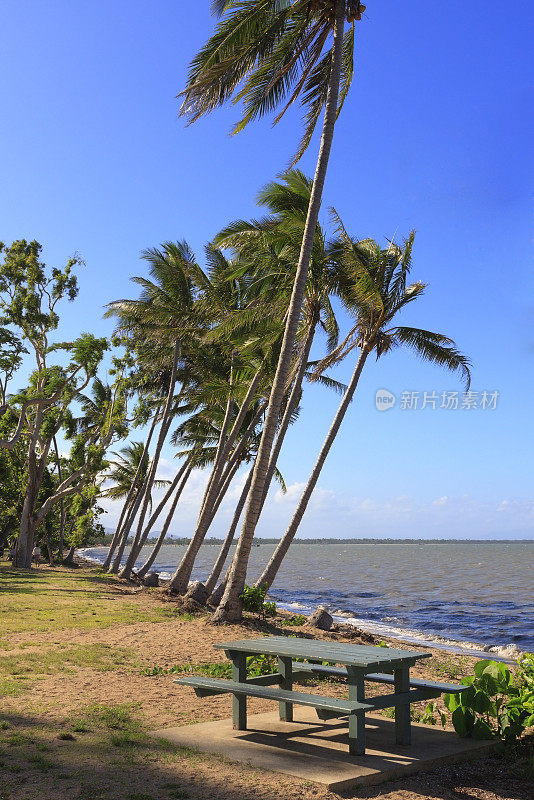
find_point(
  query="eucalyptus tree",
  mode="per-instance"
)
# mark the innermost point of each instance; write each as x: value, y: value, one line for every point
x: 267, y: 52
x: 378, y: 277
x: 29, y: 300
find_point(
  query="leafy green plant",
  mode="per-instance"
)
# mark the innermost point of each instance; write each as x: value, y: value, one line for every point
x: 297, y: 620
x: 432, y: 714
x: 253, y: 599
x: 496, y: 704
x: 256, y: 665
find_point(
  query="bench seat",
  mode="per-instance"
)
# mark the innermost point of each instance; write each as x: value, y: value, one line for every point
x: 307, y: 669
x: 204, y: 687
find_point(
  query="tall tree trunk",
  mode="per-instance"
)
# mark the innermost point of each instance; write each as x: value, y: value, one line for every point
x: 70, y: 555
x: 131, y: 496
x: 115, y: 566
x: 288, y: 413
x: 217, y: 461
x: 269, y: 573
x: 116, y: 535
x: 230, y: 607
x: 25, y: 540
x: 180, y: 579
x: 165, y: 424
x: 162, y: 503
x: 61, y: 504
x: 221, y: 558
x: 136, y: 549
x: 166, y: 525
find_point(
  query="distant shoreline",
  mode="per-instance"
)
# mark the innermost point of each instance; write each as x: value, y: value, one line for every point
x: 184, y: 540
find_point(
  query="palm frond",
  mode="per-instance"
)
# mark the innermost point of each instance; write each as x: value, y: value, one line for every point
x: 434, y: 348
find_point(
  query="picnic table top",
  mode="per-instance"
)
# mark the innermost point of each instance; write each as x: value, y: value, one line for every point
x: 351, y: 655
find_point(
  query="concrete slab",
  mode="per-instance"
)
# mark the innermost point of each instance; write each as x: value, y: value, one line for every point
x: 317, y: 751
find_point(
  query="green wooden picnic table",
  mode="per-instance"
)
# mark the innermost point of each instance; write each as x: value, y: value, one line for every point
x: 304, y: 658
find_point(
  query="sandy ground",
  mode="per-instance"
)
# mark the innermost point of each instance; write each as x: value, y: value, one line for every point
x: 55, y: 699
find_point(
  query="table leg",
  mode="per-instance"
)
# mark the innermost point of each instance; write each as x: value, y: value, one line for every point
x: 239, y: 701
x: 356, y: 721
x: 285, y: 669
x: 403, y: 734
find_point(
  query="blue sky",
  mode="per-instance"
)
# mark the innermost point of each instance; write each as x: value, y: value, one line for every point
x: 434, y: 136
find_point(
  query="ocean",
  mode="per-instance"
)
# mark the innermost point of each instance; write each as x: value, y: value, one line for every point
x: 476, y: 596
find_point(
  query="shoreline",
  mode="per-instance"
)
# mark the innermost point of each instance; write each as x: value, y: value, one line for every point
x: 505, y: 653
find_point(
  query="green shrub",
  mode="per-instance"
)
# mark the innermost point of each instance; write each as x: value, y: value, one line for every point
x: 253, y: 599
x: 298, y: 619
x: 496, y: 704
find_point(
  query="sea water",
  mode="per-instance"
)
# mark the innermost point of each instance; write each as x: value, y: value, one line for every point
x: 473, y: 595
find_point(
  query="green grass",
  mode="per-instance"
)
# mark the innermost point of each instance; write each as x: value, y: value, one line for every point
x: 450, y: 667
x: 52, y: 601
x: 10, y: 687
x: 19, y: 672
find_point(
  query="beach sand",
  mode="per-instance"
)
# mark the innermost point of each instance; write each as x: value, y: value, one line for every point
x: 73, y: 648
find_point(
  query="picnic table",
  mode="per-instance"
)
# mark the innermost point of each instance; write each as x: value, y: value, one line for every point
x: 304, y: 658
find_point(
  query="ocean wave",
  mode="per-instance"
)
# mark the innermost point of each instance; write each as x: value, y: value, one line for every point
x: 508, y: 652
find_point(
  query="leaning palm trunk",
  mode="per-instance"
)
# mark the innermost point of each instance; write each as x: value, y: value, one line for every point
x: 159, y: 508
x: 133, y: 492
x: 221, y: 558
x: 218, y: 482
x: 269, y: 573
x: 230, y: 607
x: 164, y: 428
x: 126, y: 529
x: 288, y: 413
x: 163, y: 533
x: 117, y: 534
x: 188, y: 560
x: 61, y: 503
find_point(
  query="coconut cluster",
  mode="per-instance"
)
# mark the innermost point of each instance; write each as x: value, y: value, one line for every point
x: 355, y: 10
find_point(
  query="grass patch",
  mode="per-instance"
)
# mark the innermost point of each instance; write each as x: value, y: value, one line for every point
x: 19, y: 672
x: 10, y: 687
x: 115, y: 717
x: 450, y: 667
x: 62, y: 658
x: 256, y: 665
x: 54, y: 600
x: 176, y: 792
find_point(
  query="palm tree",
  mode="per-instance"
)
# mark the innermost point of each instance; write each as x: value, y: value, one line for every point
x: 234, y: 371
x: 272, y: 246
x: 128, y: 473
x: 272, y: 49
x: 161, y: 316
x: 379, y: 294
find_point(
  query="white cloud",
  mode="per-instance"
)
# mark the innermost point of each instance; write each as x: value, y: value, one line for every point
x: 345, y: 514
x: 294, y: 491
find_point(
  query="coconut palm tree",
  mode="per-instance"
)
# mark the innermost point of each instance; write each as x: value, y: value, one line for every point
x: 128, y: 473
x: 380, y: 293
x: 271, y: 249
x: 264, y: 52
x: 237, y: 356
x: 161, y: 317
